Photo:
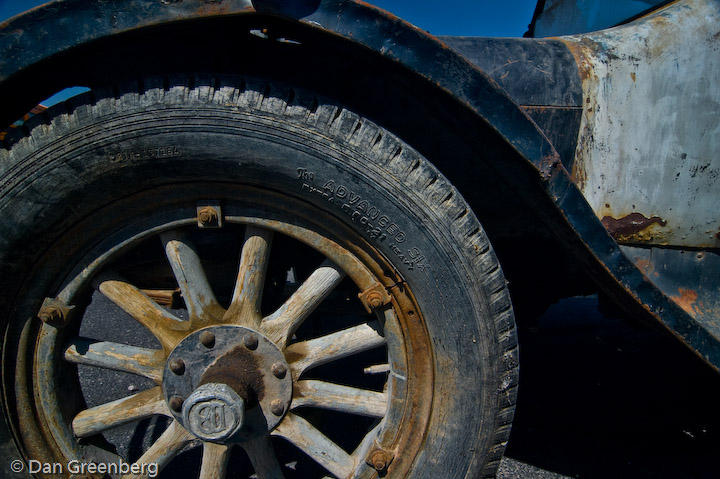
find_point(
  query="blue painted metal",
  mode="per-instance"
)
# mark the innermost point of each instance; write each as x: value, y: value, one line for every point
x: 565, y: 17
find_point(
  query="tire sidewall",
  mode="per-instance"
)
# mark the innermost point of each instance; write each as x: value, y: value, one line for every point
x: 123, y: 152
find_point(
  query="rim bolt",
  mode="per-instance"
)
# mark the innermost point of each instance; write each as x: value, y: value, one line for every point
x: 374, y: 299
x: 277, y: 408
x: 177, y: 366
x: 51, y: 314
x: 176, y: 403
x: 250, y: 341
x: 279, y: 370
x: 207, y: 338
x: 380, y: 460
x: 207, y: 215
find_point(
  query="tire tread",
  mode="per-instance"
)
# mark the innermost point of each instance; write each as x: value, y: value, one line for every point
x: 306, y: 110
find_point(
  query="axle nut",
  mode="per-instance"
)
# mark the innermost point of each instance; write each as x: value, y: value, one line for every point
x: 207, y: 339
x: 250, y: 341
x: 213, y: 412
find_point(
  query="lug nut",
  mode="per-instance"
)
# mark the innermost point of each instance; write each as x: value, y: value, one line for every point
x: 207, y: 338
x: 279, y: 370
x: 250, y: 341
x: 379, y: 460
x: 51, y: 314
x: 375, y: 299
x: 207, y: 215
x: 176, y: 403
x: 177, y: 366
x: 277, y: 408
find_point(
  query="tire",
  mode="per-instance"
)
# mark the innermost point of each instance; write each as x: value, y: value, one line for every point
x: 112, y: 165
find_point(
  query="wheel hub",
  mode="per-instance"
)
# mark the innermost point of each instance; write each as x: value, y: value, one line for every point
x: 227, y: 384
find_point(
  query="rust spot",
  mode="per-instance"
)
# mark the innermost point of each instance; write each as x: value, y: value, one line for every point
x: 239, y: 369
x: 578, y: 174
x: 632, y: 75
x: 630, y: 224
x: 686, y: 300
x: 647, y: 267
x: 644, y: 265
x: 548, y: 164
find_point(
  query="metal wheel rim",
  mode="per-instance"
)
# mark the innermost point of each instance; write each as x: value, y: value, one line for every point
x: 389, y: 438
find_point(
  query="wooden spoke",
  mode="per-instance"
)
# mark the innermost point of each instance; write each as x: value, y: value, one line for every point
x: 168, y: 445
x: 214, y: 460
x: 262, y: 456
x: 165, y: 297
x: 313, y: 443
x: 314, y: 352
x: 339, y: 398
x: 167, y: 328
x: 280, y: 326
x: 139, y: 406
x: 247, y: 296
x: 120, y: 357
x: 190, y: 275
x: 377, y: 369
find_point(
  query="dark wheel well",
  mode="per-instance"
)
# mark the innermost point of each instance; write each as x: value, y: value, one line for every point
x: 486, y: 170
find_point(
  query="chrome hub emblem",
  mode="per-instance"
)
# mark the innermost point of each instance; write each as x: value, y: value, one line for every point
x: 213, y: 412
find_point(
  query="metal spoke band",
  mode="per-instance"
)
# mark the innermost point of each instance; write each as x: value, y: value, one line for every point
x: 363, y: 276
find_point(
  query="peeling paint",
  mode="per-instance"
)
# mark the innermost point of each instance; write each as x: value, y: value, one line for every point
x: 649, y: 134
x: 630, y: 225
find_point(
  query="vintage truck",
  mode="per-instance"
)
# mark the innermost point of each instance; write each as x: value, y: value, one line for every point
x: 290, y: 205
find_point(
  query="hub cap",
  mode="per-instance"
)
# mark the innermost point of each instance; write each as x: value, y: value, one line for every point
x: 238, y: 371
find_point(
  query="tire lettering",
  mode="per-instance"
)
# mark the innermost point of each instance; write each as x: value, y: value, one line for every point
x: 376, y: 226
x: 147, y: 153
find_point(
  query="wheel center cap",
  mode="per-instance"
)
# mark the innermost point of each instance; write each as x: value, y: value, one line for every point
x: 213, y: 412
x: 227, y: 384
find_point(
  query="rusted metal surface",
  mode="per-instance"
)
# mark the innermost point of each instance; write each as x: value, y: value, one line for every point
x: 688, y: 278
x: 380, y: 459
x: 650, y: 132
x: 630, y: 227
x: 210, y: 215
x: 374, y: 297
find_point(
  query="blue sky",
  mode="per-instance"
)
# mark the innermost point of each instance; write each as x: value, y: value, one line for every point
x: 508, y: 18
